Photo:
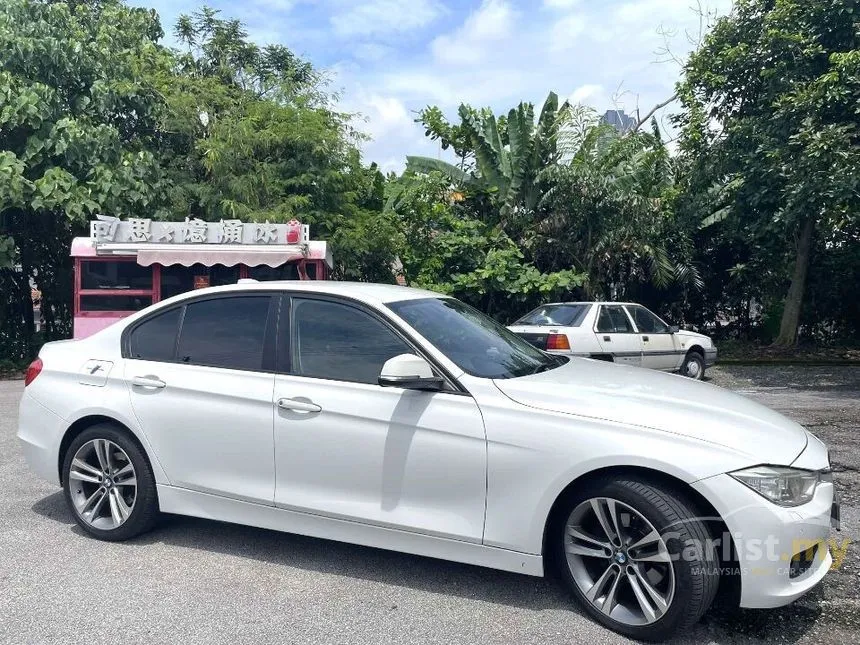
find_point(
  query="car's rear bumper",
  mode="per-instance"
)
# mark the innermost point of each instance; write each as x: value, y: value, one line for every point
x: 710, y: 356
x: 769, y: 540
x: 39, y: 434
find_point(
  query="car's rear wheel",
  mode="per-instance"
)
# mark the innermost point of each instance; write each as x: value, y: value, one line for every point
x: 109, y: 484
x: 636, y: 556
x: 693, y: 366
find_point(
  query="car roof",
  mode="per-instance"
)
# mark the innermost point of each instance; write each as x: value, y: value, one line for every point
x: 364, y: 291
x: 586, y: 302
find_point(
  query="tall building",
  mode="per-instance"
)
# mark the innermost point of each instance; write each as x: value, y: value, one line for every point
x: 618, y: 120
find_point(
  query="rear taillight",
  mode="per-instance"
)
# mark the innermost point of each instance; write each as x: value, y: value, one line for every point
x: 557, y: 341
x: 33, y: 371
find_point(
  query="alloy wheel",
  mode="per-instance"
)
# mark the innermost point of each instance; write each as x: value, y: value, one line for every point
x: 619, y: 561
x: 103, y: 484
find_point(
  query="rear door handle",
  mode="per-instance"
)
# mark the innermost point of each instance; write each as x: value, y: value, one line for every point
x: 298, y: 406
x: 148, y: 381
x: 645, y: 338
x: 607, y: 338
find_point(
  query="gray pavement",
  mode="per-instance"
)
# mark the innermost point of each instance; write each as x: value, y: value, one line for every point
x: 196, y: 581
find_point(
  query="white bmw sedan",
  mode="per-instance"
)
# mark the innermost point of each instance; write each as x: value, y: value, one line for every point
x: 405, y: 420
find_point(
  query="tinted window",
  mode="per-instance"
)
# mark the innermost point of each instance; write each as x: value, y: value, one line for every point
x: 475, y: 343
x: 612, y: 319
x: 647, y: 322
x: 176, y: 279
x: 225, y: 332
x: 155, y: 339
x: 341, y: 343
x: 115, y: 303
x: 115, y: 275
x: 283, y: 272
x: 566, y: 315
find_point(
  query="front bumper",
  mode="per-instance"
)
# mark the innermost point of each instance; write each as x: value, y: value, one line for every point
x: 710, y: 356
x: 769, y: 539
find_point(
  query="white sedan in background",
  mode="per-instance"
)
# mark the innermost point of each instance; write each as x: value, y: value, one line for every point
x: 406, y: 420
x: 621, y: 332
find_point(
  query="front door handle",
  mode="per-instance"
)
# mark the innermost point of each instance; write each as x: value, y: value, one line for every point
x: 645, y: 338
x: 148, y: 381
x: 298, y: 406
x: 607, y: 338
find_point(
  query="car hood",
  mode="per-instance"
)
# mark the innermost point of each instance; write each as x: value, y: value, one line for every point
x: 664, y: 402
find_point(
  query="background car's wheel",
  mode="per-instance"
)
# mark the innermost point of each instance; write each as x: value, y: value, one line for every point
x: 693, y: 365
x: 636, y: 556
x: 109, y: 484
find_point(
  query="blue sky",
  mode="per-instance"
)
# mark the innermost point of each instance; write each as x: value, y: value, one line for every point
x: 389, y: 58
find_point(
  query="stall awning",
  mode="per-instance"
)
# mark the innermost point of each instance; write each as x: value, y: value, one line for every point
x: 227, y: 255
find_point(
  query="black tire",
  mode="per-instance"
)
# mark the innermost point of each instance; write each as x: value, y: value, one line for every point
x: 693, y: 366
x: 144, y: 512
x: 696, y: 574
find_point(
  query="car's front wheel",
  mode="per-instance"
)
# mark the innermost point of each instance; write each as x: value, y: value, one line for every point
x: 109, y: 484
x: 693, y: 365
x: 637, y: 557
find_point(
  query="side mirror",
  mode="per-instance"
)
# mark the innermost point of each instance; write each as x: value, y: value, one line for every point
x: 410, y: 372
x: 674, y: 329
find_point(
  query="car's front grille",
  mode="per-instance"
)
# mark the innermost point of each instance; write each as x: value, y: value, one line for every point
x: 802, y: 561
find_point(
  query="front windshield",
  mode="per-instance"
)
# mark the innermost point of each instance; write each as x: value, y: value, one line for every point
x: 476, y: 343
x: 566, y: 315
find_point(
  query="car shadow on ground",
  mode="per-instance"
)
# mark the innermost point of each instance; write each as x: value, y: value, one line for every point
x: 722, y: 623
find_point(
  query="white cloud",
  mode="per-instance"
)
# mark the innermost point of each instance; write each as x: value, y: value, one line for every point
x: 479, y: 35
x: 368, y: 17
x: 584, y: 93
x: 560, y: 4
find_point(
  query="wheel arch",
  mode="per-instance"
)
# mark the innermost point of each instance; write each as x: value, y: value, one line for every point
x: 88, y: 421
x: 702, y: 504
x: 696, y: 348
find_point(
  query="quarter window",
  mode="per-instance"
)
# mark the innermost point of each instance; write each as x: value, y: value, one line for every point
x: 341, y: 343
x: 613, y: 320
x: 225, y: 332
x: 155, y: 338
x: 646, y: 322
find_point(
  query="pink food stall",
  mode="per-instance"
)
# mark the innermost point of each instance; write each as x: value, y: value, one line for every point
x: 126, y: 265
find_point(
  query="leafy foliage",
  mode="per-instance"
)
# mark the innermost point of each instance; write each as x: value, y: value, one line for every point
x: 771, y: 121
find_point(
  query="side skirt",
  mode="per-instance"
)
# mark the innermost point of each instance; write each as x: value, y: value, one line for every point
x: 182, y: 501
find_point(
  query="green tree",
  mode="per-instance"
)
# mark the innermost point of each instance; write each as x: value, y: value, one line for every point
x: 250, y: 134
x: 508, y: 153
x: 77, y: 119
x: 771, y: 109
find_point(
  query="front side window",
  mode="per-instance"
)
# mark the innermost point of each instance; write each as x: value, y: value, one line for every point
x: 341, y: 343
x: 646, y: 322
x: 225, y: 332
x: 474, y: 342
x: 155, y: 338
x: 570, y: 315
x: 613, y: 320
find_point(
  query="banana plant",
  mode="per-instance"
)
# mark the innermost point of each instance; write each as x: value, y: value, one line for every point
x: 508, y: 152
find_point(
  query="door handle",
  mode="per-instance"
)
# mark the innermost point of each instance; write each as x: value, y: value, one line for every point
x: 148, y: 381
x: 607, y: 338
x: 298, y: 406
x: 645, y: 338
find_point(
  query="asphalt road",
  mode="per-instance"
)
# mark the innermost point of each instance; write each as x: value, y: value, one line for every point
x: 196, y: 581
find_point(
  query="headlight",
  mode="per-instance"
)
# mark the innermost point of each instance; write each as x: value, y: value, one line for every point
x: 781, y: 485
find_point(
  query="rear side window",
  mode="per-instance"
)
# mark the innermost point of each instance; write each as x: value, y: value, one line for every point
x: 155, y: 339
x: 612, y: 319
x: 225, y: 332
x: 341, y: 343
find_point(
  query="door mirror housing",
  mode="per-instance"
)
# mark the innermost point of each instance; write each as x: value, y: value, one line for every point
x: 674, y: 329
x: 410, y: 372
